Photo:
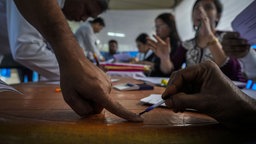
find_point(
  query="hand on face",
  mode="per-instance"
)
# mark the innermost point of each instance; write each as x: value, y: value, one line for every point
x: 159, y: 47
x: 234, y: 45
x: 87, y: 90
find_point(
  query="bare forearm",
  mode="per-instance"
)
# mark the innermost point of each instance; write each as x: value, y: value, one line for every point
x: 52, y: 25
x: 166, y: 65
x: 218, y: 54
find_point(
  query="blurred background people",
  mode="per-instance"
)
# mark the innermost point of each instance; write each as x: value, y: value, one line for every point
x: 206, y: 43
x: 87, y: 39
x: 112, y: 50
x: 168, y: 49
x: 146, y: 54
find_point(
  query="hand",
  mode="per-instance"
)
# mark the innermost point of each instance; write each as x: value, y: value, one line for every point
x: 235, y: 46
x: 205, y: 88
x: 86, y: 89
x: 205, y: 33
x: 160, y: 48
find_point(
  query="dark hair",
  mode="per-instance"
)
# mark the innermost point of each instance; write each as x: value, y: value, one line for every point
x: 142, y: 38
x: 103, y: 4
x: 112, y: 41
x: 98, y: 20
x: 218, y: 5
x: 169, y: 19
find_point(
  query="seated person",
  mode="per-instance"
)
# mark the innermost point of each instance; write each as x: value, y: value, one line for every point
x: 169, y: 55
x: 112, y: 50
x: 143, y: 47
x: 146, y: 55
x: 206, y: 43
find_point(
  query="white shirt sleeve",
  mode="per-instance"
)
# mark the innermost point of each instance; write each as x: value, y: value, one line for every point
x: 28, y: 47
x: 248, y: 64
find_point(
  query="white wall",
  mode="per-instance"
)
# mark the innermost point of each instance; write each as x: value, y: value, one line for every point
x: 131, y: 23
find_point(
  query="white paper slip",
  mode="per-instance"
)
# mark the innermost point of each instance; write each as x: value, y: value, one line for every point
x: 245, y: 23
x: 152, y: 99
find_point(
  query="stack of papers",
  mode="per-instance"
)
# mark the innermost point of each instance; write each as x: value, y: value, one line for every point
x: 125, y: 67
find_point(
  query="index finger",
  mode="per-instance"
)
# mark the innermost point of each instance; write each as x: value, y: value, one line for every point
x: 158, y: 39
x: 117, y: 109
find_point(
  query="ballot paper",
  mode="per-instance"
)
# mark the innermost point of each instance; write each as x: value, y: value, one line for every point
x: 6, y: 87
x: 155, y: 98
x: 245, y: 23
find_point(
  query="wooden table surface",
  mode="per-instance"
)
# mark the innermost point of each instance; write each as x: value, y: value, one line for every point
x: 42, y: 116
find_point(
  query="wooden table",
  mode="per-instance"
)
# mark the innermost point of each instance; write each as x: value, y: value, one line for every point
x: 42, y: 116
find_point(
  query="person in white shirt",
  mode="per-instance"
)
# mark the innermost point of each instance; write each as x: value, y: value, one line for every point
x: 87, y: 39
x: 26, y: 45
x: 85, y: 88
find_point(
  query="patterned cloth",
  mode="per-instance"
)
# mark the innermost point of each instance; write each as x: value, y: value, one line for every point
x: 196, y: 55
